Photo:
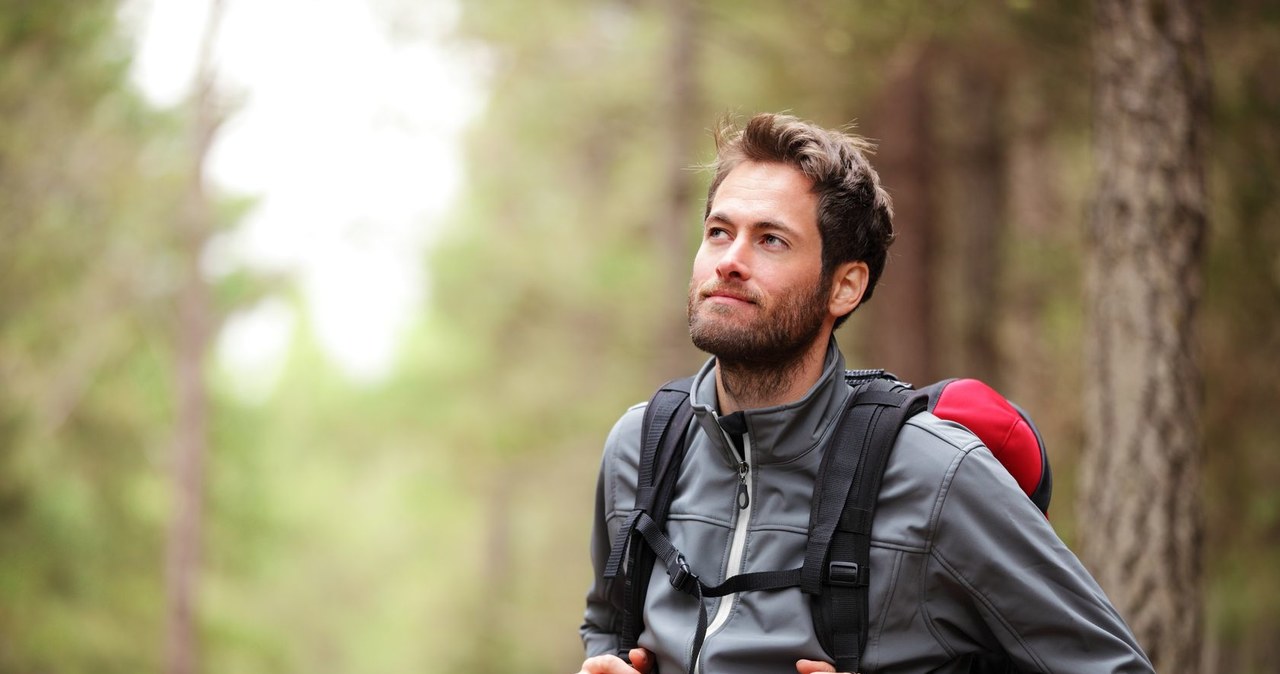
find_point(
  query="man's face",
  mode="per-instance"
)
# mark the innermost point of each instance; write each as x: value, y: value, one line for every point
x: 757, y: 295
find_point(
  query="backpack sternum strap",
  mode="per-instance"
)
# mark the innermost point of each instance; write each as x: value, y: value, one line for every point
x: 685, y: 580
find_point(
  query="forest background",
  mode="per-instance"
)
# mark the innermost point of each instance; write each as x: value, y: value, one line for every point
x: 436, y: 520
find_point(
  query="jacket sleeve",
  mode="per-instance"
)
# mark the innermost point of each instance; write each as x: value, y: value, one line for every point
x: 602, y: 618
x: 1034, y: 596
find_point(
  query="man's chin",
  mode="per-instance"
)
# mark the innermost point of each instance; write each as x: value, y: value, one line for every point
x: 721, y: 324
x: 719, y: 339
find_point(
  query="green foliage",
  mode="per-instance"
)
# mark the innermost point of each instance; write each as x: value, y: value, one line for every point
x: 82, y: 356
x: 89, y: 268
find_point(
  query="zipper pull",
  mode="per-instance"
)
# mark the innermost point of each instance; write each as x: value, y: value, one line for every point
x: 744, y: 498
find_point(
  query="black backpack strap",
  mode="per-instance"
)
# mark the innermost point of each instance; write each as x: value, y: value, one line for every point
x: 663, y: 433
x: 837, y: 561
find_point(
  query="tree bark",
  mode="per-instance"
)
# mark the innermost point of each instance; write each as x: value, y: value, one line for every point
x: 196, y: 322
x: 900, y: 326
x: 1141, y: 469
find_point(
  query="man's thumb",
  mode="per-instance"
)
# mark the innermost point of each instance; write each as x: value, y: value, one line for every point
x: 641, y: 660
x: 812, y: 666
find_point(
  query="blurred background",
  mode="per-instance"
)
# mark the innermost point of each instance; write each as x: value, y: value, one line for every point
x: 314, y: 315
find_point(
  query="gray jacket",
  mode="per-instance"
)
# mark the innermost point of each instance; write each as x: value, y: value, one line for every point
x: 961, y: 560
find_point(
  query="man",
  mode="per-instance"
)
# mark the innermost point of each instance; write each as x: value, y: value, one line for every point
x: 795, y: 237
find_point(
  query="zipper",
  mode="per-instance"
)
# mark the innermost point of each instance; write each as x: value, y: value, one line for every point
x: 737, y: 544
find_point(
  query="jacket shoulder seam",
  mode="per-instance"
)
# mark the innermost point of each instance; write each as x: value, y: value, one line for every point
x: 935, y: 518
x: 900, y: 547
x: 944, y: 486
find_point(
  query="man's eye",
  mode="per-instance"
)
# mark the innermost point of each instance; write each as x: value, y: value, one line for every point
x: 771, y: 240
x: 716, y: 233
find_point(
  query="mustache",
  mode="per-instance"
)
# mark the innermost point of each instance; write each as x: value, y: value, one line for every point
x: 717, y: 287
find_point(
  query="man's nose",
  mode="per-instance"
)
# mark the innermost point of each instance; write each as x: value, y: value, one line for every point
x: 736, y: 261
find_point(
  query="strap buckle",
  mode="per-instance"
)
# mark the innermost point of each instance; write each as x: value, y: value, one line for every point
x: 681, y: 577
x: 846, y: 574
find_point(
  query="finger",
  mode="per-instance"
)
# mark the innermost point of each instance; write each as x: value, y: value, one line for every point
x: 812, y: 666
x: 641, y: 660
x: 606, y: 664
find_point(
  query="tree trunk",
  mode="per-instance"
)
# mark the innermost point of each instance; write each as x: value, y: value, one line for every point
x: 1141, y: 470
x: 676, y: 214
x: 195, y: 329
x: 979, y: 212
x: 900, y: 324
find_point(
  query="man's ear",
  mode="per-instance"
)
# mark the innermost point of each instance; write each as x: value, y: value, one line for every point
x: 847, y: 286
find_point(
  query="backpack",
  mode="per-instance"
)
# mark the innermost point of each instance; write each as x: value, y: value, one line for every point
x: 836, y: 571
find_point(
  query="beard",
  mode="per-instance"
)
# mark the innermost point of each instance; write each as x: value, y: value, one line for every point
x: 757, y: 356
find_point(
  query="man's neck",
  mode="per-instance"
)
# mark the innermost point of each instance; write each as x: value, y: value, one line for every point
x: 743, y: 387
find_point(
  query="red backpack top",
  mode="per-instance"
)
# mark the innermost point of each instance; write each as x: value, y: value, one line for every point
x: 1002, y: 426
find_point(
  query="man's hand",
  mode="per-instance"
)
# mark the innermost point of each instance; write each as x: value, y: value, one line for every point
x: 641, y: 663
x: 813, y: 666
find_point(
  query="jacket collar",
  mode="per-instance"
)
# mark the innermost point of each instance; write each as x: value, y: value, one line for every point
x: 782, y: 432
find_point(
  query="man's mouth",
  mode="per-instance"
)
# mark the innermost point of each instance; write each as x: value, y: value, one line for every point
x: 728, y: 295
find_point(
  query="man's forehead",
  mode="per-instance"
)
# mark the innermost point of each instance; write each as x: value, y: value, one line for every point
x: 765, y: 194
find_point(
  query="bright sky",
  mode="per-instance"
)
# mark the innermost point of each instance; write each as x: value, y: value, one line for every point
x: 348, y: 134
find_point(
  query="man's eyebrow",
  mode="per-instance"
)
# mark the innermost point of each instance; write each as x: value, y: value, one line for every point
x: 719, y: 216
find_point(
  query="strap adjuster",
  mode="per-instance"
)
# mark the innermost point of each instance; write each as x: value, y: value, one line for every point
x: 846, y: 574
x: 681, y: 577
